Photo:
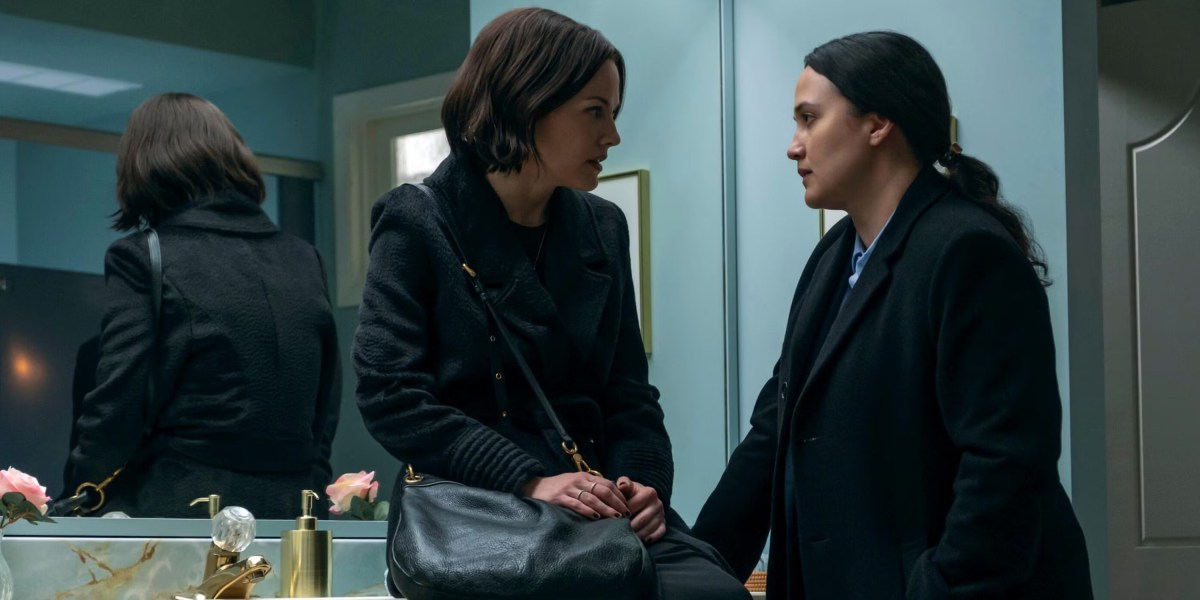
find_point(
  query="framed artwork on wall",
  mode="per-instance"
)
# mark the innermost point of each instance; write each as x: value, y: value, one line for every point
x: 630, y: 190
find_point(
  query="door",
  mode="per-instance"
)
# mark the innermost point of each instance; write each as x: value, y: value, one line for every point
x: 1150, y: 206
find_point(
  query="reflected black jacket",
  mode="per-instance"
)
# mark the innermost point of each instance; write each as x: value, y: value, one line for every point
x: 246, y: 362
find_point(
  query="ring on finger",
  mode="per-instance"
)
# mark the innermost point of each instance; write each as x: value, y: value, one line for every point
x: 593, y: 490
x: 579, y: 496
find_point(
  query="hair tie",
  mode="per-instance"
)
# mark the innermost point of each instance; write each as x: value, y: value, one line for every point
x: 950, y: 158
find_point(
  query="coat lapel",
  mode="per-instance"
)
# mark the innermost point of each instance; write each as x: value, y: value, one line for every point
x: 490, y: 247
x: 928, y: 187
x: 576, y: 278
x: 810, y: 312
x: 576, y: 288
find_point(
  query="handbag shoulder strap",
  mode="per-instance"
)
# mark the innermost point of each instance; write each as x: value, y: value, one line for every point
x: 156, y: 277
x: 153, y: 408
x: 74, y: 504
x: 568, y: 444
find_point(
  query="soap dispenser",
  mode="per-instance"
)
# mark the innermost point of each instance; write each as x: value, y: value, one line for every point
x: 306, y: 554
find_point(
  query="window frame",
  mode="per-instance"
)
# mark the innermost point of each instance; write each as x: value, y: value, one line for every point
x: 362, y: 163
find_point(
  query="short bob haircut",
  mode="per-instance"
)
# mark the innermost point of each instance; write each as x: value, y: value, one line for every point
x: 524, y: 64
x: 178, y: 148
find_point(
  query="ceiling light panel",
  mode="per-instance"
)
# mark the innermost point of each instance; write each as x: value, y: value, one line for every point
x: 62, y: 81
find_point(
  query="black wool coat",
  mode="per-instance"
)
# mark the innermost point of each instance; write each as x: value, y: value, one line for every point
x: 423, y: 353
x: 924, y: 430
x: 246, y: 362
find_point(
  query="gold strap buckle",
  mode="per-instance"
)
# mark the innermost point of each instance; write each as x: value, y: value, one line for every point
x: 572, y: 450
x: 410, y: 475
x: 99, y: 487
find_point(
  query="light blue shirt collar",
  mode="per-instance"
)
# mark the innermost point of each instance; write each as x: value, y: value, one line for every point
x: 860, y: 256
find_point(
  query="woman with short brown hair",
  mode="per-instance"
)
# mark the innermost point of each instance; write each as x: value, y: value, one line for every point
x: 530, y: 118
x: 230, y: 388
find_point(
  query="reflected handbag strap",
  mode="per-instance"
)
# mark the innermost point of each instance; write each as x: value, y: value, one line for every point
x: 568, y: 444
x: 156, y: 277
x: 74, y: 504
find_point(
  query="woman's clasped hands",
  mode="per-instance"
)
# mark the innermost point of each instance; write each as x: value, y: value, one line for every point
x: 595, y: 497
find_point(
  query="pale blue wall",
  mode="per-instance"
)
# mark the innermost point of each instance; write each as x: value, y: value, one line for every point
x: 671, y: 125
x: 277, y: 116
x: 1003, y: 62
x: 8, y: 201
x: 64, y: 199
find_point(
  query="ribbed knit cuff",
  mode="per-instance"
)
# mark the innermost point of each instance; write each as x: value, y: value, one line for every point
x: 488, y: 460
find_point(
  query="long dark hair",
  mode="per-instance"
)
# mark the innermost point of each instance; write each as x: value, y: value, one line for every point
x: 894, y: 76
x: 176, y: 149
x: 524, y: 64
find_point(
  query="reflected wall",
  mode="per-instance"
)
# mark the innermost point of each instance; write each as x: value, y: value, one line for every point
x: 8, y: 201
x: 55, y: 201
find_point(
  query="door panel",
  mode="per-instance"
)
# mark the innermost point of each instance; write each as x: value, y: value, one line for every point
x: 1150, y: 218
x: 1166, y: 207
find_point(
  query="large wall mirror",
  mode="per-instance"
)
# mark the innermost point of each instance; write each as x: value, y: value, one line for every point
x: 70, y: 74
x: 65, y: 94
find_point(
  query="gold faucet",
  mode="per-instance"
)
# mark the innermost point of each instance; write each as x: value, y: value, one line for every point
x: 224, y: 575
x: 232, y: 581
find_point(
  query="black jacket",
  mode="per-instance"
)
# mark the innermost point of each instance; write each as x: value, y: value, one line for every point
x: 424, y: 360
x: 246, y: 363
x: 924, y: 430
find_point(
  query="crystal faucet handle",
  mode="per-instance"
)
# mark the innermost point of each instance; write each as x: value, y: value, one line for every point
x: 233, y: 529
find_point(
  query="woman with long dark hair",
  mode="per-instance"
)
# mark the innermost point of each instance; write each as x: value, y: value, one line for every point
x: 907, y: 444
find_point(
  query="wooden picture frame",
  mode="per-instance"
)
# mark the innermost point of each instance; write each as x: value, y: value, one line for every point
x: 829, y: 218
x: 630, y: 190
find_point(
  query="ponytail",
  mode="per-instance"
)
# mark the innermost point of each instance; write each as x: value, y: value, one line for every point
x: 893, y: 75
x: 976, y: 181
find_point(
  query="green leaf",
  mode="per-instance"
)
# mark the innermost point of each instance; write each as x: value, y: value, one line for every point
x: 15, y: 506
x: 360, y: 509
x: 381, y: 510
x: 38, y: 517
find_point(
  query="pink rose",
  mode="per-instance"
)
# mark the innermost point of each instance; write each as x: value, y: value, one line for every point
x: 347, y: 487
x: 13, y: 480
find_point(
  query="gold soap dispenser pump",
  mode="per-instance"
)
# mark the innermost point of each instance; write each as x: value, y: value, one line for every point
x: 217, y: 556
x: 306, y: 554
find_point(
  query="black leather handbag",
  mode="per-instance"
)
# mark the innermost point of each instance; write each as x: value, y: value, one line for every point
x: 453, y: 542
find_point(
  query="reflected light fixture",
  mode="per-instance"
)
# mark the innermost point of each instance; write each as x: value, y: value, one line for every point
x: 21, y: 367
x: 27, y: 371
x: 62, y: 81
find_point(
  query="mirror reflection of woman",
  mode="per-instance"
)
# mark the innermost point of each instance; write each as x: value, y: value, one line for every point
x: 245, y: 354
x: 530, y: 117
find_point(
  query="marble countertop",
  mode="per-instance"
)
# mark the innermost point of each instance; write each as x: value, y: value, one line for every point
x: 752, y: 595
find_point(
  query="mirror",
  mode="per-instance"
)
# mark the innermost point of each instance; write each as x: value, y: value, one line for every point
x: 275, y: 67
x: 65, y: 94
